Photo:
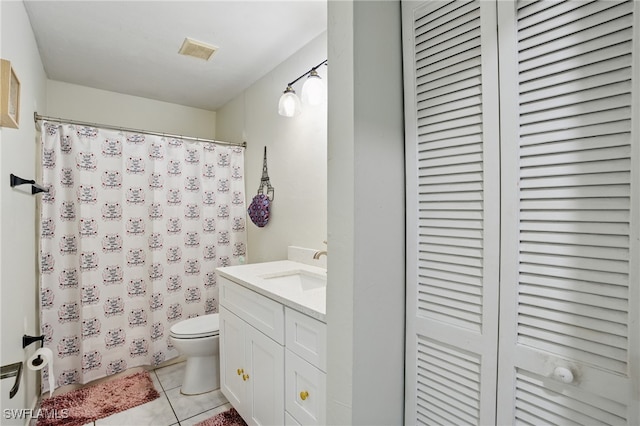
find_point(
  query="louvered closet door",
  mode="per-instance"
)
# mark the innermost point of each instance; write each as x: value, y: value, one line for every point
x: 452, y: 211
x: 569, y: 280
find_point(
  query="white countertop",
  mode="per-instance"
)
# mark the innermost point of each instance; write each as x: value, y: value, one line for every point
x: 252, y: 276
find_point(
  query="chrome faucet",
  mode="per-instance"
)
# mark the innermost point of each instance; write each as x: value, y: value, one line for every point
x: 319, y: 253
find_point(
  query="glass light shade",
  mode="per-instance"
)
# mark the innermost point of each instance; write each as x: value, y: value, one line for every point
x: 313, y: 89
x: 289, y: 104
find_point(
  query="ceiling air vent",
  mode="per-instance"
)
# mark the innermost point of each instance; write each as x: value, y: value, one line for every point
x: 197, y: 49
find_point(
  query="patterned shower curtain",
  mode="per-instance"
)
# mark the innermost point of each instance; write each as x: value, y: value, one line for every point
x: 131, y: 232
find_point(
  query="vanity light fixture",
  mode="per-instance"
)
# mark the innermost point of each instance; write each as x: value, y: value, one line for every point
x: 289, y: 104
x: 312, y: 93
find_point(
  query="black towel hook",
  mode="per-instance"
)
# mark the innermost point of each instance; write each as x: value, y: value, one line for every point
x: 35, y: 188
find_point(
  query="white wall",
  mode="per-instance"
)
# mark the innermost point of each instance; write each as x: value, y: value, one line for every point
x: 341, y: 215
x: 366, y: 271
x: 82, y: 103
x: 18, y: 263
x: 296, y: 156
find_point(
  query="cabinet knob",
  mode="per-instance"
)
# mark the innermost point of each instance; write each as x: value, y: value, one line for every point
x: 245, y: 377
x: 304, y: 395
x: 240, y: 371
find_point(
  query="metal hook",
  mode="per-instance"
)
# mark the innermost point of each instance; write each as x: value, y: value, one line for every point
x: 264, y: 180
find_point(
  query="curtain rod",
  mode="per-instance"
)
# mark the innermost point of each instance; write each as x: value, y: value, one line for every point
x: 37, y: 117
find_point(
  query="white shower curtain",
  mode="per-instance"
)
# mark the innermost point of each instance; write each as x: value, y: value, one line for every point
x: 131, y: 231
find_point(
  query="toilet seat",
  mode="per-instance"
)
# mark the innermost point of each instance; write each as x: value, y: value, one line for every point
x: 196, y: 328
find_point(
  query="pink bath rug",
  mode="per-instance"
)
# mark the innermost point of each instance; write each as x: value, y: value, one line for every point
x: 86, y: 405
x: 226, y: 418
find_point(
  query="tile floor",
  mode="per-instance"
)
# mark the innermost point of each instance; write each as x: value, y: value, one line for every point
x: 172, y: 408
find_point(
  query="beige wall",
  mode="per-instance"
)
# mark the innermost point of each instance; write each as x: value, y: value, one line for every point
x: 82, y: 103
x: 296, y: 151
x: 18, y: 277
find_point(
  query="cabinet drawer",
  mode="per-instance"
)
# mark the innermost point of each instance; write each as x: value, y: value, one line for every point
x: 261, y: 312
x: 305, y: 390
x: 306, y: 337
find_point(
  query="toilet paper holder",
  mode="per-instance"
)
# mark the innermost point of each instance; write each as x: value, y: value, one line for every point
x: 15, y: 369
x: 27, y: 340
x: 12, y: 370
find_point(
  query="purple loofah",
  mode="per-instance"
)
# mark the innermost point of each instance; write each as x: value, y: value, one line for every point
x: 259, y: 210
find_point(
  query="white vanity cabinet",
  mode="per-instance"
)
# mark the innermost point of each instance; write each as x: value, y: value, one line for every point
x: 252, y: 362
x: 272, y: 356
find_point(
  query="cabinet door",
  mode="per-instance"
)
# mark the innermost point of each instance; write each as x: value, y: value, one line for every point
x: 265, y: 384
x: 305, y: 388
x: 570, y: 289
x: 452, y: 168
x: 232, y: 359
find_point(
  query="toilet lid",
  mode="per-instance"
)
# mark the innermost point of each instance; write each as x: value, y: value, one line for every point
x: 202, y: 326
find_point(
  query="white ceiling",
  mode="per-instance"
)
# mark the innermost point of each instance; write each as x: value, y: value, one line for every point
x: 131, y: 47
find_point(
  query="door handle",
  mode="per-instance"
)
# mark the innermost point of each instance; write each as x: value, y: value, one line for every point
x: 563, y: 374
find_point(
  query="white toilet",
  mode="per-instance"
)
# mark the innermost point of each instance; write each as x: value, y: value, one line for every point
x: 197, y: 339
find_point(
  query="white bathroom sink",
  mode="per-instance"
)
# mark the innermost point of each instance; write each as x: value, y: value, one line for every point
x: 297, y: 281
x: 297, y: 285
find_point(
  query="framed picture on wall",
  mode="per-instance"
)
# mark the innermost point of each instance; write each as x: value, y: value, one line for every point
x: 9, y: 96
